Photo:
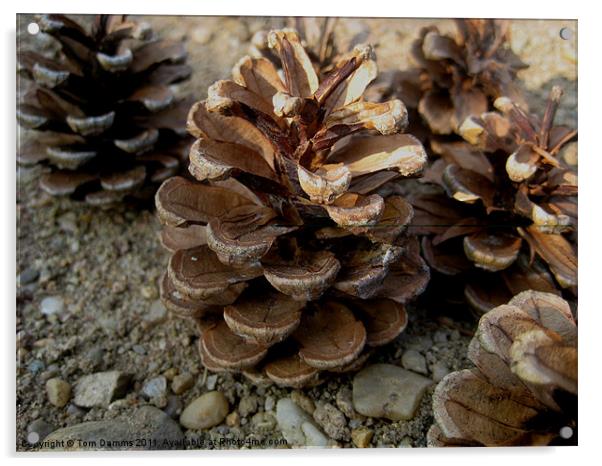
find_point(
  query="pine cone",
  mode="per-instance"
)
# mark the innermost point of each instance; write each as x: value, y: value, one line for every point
x: 523, y: 390
x: 288, y: 249
x: 317, y: 38
x: 112, y: 126
x: 317, y: 35
x: 509, y: 183
x: 460, y: 76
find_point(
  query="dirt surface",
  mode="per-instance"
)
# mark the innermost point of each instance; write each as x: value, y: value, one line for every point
x: 104, y: 264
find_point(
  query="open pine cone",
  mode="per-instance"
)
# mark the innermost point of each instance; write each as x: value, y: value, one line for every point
x: 317, y: 39
x: 112, y: 125
x: 288, y: 248
x: 523, y: 390
x: 459, y: 76
x: 506, y: 189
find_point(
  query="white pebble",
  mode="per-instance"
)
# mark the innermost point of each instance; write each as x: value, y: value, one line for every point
x: 52, y: 305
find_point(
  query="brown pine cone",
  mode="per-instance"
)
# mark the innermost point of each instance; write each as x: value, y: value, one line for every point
x: 510, y: 182
x: 318, y: 36
x: 289, y: 248
x: 523, y: 390
x: 112, y: 127
x: 317, y: 39
x: 459, y: 76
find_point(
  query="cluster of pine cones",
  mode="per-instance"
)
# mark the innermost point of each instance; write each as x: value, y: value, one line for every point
x: 296, y: 239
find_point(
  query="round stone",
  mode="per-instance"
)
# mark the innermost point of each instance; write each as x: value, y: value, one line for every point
x: 52, y: 305
x: 58, y: 392
x: 206, y: 411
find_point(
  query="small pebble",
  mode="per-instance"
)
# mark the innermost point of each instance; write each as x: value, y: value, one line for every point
x: 247, y: 405
x: 52, y: 305
x: 332, y: 421
x: 182, y: 383
x: 118, y: 405
x: 92, y: 359
x: 345, y: 403
x: 303, y: 401
x: 149, y: 292
x: 201, y: 35
x: 414, y: 361
x: 118, y: 287
x: 263, y: 421
x: 355, y: 423
x: 75, y: 411
x: 206, y: 411
x: 362, y: 437
x: 440, y: 336
x: 211, y: 382
x: 139, y: 349
x: 35, y: 366
x: 174, y: 406
x: 314, y: 436
x: 297, y: 426
x: 58, y: 392
x: 270, y: 403
x: 155, y: 387
x: 159, y: 401
x: 406, y: 442
x: 157, y: 314
x: 420, y: 343
x: 171, y: 373
x: 49, y: 373
x: 29, y: 275
x: 68, y: 222
x: 109, y: 325
x: 439, y: 370
x: 233, y: 419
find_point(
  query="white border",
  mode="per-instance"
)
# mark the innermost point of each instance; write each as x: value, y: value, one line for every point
x: 590, y: 109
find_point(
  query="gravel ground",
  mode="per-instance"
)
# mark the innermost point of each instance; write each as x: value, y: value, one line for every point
x: 100, y: 271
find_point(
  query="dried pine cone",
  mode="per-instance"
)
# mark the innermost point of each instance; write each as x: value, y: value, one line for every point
x: 112, y: 126
x: 288, y: 249
x: 317, y: 39
x: 511, y: 184
x: 523, y: 390
x: 458, y: 76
